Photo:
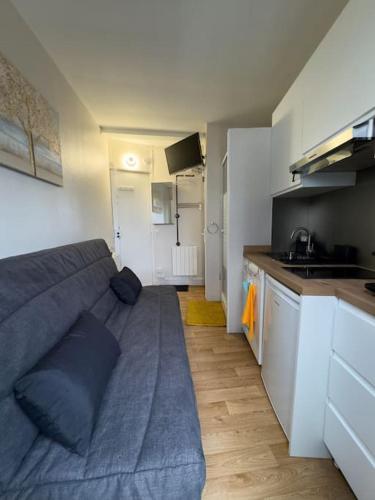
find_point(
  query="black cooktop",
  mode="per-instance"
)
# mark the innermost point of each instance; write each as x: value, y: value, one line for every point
x: 316, y: 272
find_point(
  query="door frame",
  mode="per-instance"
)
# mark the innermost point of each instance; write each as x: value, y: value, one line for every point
x: 114, y: 172
x: 224, y: 189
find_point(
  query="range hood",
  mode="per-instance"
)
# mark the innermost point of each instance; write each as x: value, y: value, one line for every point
x: 349, y: 151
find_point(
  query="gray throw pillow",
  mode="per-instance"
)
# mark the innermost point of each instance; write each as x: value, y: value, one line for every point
x: 63, y: 392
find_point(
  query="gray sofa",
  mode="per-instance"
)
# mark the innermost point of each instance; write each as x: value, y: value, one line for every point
x: 146, y: 442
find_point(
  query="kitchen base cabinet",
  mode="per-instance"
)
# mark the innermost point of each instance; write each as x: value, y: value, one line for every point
x: 354, y: 339
x: 350, y: 455
x: 354, y: 399
x: 350, y: 410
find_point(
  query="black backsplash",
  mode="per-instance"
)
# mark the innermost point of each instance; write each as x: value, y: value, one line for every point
x: 345, y: 216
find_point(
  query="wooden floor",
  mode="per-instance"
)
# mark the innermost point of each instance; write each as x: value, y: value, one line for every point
x: 246, y: 450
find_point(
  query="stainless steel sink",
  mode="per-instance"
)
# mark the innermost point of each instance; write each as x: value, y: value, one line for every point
x: 299, y: 259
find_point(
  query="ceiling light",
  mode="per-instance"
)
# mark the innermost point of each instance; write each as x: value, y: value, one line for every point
x: 130, y: 161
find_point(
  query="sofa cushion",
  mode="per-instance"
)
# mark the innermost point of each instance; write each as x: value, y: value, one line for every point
x: 132, y: 279
x: 146, y: 443
x: 41, y: 296
x: 126, y: 286
x: 63, y: 392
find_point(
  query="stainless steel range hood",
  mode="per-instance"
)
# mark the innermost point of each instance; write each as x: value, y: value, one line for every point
x: 349, y: 151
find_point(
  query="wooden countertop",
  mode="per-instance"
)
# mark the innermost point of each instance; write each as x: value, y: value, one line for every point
x: 350, y: 290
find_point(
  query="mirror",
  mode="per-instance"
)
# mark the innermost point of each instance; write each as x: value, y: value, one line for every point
x: 162, y: 196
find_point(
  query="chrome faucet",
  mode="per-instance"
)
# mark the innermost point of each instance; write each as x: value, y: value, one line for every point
x: 306, y: 238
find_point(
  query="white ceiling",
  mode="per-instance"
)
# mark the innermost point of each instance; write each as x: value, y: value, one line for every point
x: 177, y: 64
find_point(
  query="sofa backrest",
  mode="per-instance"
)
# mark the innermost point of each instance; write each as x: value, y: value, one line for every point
x: 41, y: 296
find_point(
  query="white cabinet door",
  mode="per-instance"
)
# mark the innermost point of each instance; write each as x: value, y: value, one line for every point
x: 350, y: 412
x: 280, y: 339
x: 351, y: 456
x: 339, y: 79
x: 354, y: 399
x: 354, y: 339
x: 334, y: 90
x: 286, y: 141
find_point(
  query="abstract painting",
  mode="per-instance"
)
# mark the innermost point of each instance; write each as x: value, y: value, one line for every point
x: 29, y: 128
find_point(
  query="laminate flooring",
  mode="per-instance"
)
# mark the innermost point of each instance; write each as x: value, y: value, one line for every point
x: 246, y: 450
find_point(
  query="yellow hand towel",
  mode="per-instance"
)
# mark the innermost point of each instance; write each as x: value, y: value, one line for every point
x: 248, y: 315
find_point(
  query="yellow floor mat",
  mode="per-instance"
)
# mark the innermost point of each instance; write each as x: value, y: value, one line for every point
x: 203, y: 313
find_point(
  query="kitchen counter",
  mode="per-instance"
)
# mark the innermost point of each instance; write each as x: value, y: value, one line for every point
x: 350, y: 290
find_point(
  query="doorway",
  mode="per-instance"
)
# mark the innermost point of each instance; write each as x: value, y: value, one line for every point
x: 133, y: 217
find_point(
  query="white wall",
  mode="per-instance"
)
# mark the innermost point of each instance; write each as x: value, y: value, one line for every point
x: 35, y: 215
x: 120, y: 150
x: 216, y: 148
x: 191, y: 224
x: 164, y: 236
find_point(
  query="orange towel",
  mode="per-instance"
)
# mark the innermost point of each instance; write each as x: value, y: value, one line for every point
x: 248, y: 315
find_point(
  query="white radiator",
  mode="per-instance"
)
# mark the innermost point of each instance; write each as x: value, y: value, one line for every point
x: 185, y: 261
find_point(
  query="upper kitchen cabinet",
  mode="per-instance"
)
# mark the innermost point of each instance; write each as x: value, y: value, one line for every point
x: 286, y: 139
x: 335, y: 89
x: 339, y: 78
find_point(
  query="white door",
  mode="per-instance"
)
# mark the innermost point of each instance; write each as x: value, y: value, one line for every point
x: 133, y: 196
x: 280, y: 338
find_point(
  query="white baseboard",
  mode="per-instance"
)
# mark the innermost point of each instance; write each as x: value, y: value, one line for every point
x: 181, y: 280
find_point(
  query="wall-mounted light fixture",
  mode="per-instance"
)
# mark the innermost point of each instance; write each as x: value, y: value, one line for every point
x: 130, y: 161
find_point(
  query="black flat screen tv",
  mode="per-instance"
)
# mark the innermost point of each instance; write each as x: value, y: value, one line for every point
x: 184, y: 154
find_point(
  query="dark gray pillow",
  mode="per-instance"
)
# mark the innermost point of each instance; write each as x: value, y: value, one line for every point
x: 63, y: 392
x: 126, y: 286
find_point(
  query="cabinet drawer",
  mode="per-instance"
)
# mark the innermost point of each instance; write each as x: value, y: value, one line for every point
x: 355, y: 462
x: 354, y: 339
x: 354, y: 398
